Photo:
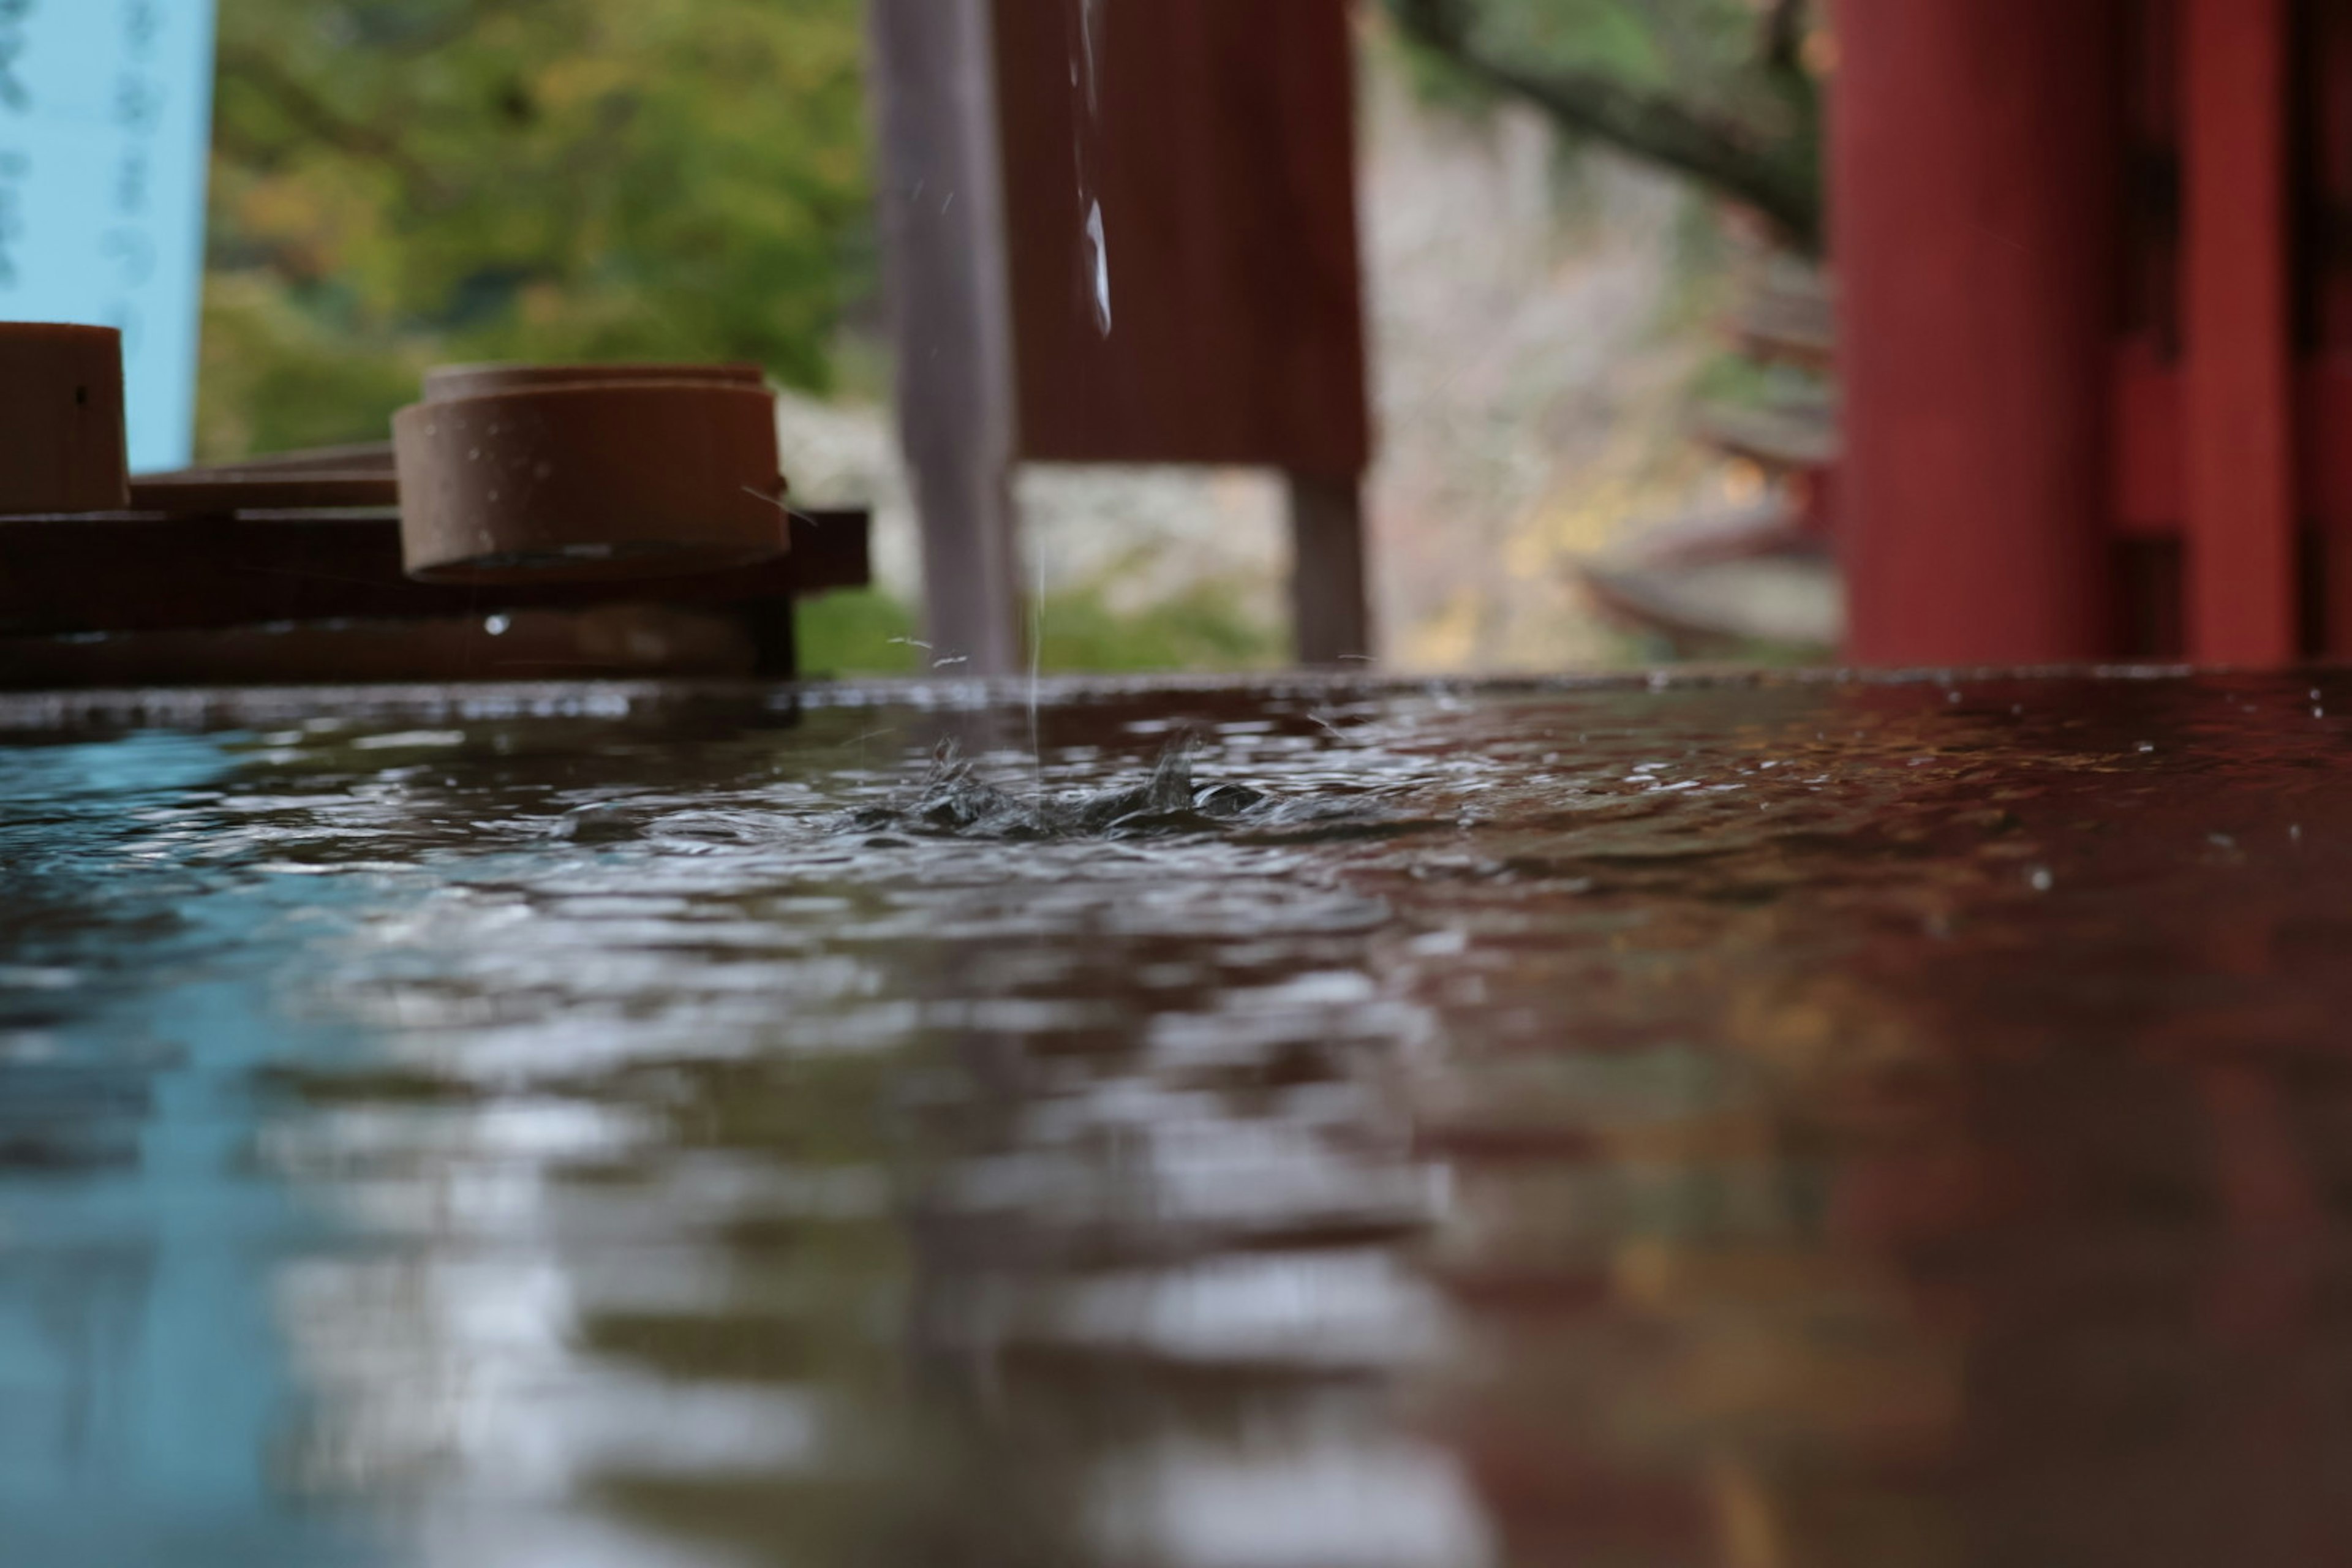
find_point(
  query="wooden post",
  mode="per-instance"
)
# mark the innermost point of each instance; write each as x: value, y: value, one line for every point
x: 2324, y: 467
x: 1219, y: 141
x: 943, y: 217
x: 2238, y: 392
x: 1976, y: 177
x: 1330, y: 613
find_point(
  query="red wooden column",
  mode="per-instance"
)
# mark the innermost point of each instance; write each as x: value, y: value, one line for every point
x: 2238, y: 386
x: 1975, y: 170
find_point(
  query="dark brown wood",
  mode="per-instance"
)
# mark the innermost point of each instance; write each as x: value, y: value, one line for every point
x: 199, y: 493
x: 616, y: 477
x: 1223, y: 159
x: 943, y: 226
x: 61, y: 420
x: 130, y: 572
x: 1331, y: 620
x: 608, y: 642
x: 357, y: 457
x: 360, y: 475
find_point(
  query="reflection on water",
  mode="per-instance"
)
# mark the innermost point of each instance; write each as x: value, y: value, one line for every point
x: 1889, y: 1124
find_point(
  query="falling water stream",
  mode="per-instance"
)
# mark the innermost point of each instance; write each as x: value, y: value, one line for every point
x: 1086, y: 89
x: 1403, y: 1127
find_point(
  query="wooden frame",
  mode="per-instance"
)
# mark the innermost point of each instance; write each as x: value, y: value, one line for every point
x: 1214, y: 139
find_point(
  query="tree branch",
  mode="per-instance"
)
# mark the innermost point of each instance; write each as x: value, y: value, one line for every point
x: 315, y: 118
x: 1651, y: 127
x: 1784, y: 38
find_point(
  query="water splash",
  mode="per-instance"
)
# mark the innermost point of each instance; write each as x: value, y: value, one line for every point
x: 1036, y: 676
x: 955, y: 800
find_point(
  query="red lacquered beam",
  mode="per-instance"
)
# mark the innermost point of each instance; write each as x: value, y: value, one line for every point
x: 147, y: 572
x: 2238, y: 382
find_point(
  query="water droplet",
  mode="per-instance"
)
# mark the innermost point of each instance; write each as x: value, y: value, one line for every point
x: 1099, y: 250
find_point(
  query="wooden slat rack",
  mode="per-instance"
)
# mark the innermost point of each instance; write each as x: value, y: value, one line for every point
x: 313, y: 541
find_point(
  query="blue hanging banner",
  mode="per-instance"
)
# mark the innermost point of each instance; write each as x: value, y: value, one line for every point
x: 105, y: 130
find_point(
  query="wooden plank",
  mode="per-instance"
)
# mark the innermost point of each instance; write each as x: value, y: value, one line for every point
x: 1223, y: 155
x: 200, y: 494
x: 1331, y: 603
x: 605, y: 643
x: 2240, y: 510
x: 135, y: 572
x: 357, y: 457
x: 361, y: 475
x: 944, y: 240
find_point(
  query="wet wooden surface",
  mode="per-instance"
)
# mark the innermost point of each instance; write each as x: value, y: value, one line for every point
x: 1679, y: 1122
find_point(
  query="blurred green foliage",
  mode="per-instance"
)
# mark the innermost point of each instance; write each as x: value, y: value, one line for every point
x: 1205, y: 626
x: 1725, y: 94
x: 398, y: 183
x: 1702, y: 50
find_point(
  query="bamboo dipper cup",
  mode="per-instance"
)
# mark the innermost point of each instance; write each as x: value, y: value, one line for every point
x: 549, y: 473
x: 62, y: 442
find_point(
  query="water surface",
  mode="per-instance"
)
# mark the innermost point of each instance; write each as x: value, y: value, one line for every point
x: 1745, y: 1123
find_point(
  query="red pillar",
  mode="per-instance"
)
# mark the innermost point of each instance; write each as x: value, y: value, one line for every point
x: 2238, y: 390
x: 1976, y: 200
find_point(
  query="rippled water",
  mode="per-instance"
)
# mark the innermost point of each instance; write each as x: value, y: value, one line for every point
x: 1751, y: 1124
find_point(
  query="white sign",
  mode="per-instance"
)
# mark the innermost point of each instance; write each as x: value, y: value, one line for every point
x: 105, y: 127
